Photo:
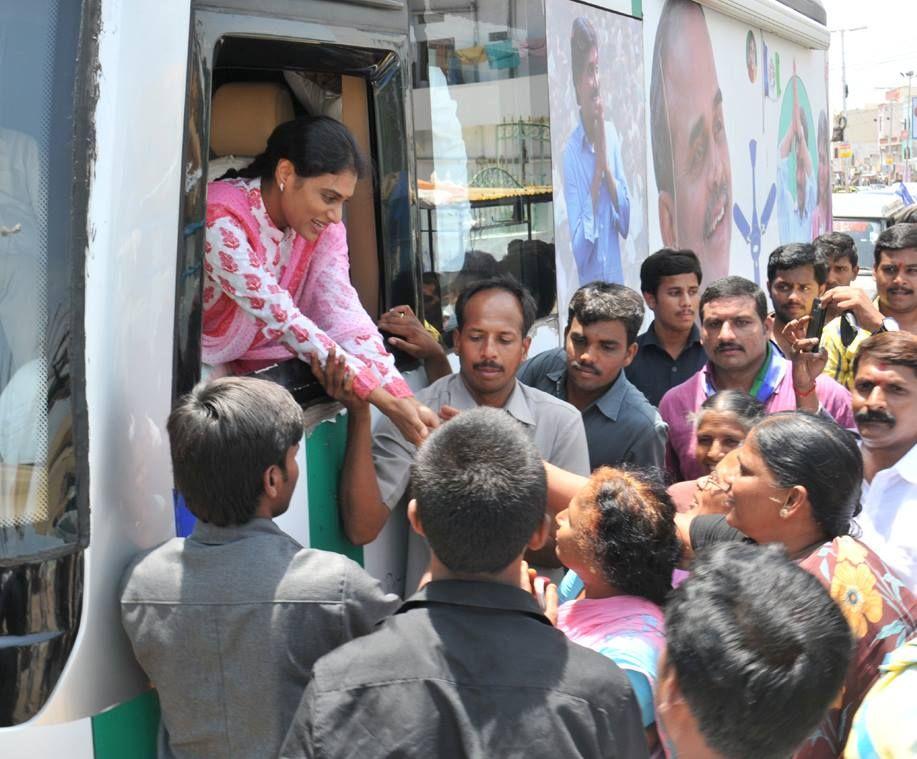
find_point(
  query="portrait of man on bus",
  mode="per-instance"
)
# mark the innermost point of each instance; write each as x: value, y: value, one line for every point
x: 690, y: 151
x: 821, y: 216
x: 595, y: 188
x: 751, y: 56
x: 797, y: 193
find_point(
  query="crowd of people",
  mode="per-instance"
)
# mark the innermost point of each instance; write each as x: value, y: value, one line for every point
x: 698, y: 541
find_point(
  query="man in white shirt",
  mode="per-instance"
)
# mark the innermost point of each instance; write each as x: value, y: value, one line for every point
x: 885, y: 409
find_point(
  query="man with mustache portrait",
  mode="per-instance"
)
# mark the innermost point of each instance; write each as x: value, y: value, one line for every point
x: 494, y: 317
x: 688, y: 132
x: 734, y: 332
x: 894, y: 307
x: 595, y: 189
x: 885, y: 410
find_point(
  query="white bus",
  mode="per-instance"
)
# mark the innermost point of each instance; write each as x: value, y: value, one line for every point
x: 111, y: 123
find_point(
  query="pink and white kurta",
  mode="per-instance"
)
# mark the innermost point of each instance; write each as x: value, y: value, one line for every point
x: 271, y: 294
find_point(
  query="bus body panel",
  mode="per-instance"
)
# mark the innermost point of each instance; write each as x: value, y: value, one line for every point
x: 129, y: 291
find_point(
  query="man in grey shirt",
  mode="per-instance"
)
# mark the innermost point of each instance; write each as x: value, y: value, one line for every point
x: 494, y: 317
x: 600, y: 340
x: 228, y: 622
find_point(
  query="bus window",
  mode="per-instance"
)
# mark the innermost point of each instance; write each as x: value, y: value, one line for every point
x: 483, y: 149
x: 43, y: 522
x: 364, y: 90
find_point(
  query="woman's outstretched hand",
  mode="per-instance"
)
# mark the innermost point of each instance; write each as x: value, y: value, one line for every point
x: 410, y: 416
x: 337, y: 381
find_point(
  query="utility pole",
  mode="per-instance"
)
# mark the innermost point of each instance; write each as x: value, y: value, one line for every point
x: 841, y: 123
x: 844, y: 64
x: 909, y: 124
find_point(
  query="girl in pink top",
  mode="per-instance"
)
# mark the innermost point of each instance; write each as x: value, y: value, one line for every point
x: 617, y: 537
x: 277, y: 280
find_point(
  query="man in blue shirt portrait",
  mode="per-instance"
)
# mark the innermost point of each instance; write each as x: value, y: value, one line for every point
x: 595, y: 190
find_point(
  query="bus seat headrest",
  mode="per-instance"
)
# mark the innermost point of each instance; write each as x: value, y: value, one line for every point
x: 243, y: 115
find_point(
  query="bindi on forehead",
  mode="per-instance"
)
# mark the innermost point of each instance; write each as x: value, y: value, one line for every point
x: 882, y: 373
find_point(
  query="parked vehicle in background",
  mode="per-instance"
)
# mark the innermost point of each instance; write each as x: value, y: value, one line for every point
x: 864, y: 215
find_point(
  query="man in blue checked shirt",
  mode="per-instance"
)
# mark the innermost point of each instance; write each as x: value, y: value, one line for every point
x: 598, y: 204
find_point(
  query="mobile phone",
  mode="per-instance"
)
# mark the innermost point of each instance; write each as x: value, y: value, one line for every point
x: 816, y: 323
x: 540, y: 585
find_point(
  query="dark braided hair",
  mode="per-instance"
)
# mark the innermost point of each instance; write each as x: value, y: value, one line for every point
x: 315, y: 145
x: 806, y: 449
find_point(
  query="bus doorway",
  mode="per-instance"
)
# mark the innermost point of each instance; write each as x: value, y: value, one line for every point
x: 246, y: 75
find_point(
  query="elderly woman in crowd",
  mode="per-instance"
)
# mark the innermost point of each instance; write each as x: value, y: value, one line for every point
x: 618, y: 539
x: 796, y: 481
x: 720, y: 426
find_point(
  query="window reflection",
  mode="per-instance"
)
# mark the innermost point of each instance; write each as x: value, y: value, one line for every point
x: 37, y: 66
x: 864, y: 233
x: 483, y: 150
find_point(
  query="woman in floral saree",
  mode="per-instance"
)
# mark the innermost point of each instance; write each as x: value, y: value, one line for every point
x: 796, y: 481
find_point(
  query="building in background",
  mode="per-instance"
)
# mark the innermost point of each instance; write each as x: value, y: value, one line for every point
x: 876, y: 143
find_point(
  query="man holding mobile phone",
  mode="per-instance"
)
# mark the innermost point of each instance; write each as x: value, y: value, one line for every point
x: 796, y: 276
x: 734, y: 328
x: 894, y: 308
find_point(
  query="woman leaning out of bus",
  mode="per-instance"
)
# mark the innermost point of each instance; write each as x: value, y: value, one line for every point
x: 796, y: 481
x: 618, y: 539
x: 277, y: 269
x: 720, y: 426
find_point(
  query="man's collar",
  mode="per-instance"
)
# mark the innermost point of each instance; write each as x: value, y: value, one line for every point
x: 475, y: 594
x: 609, y: 403
x: 211, y: 534
x: 559, y: 374
x: 613, y: 398
x: 583, y: 136
x: 906, y: 466
x: 517, y: 404
x: 770, y: 374
x: 651, y: 338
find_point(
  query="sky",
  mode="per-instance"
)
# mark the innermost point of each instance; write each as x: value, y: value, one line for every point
x: 876, y: 55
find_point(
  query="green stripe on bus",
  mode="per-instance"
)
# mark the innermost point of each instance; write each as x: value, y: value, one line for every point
x: 636, y: 8
x: 324, y: 459
x: 128, y: 729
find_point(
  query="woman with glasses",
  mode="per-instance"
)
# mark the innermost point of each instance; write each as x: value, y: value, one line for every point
x: 796, y: 481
